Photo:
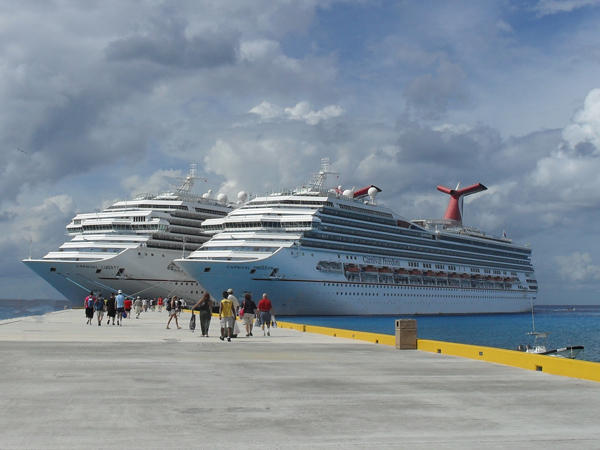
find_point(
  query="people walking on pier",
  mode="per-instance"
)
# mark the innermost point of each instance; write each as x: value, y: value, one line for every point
x: 205, y: 306
x: 128, y: 304
x: 99, y: 307
x: 145, y: 305
x: 227, y: 316
x: 172, y: 309
x: 232, y: 297
x: 138, y: 305
x: 111, y: 308
x: 120, y: 307
x: 249, y: 308
x: 89, y: 307
x: 266, y: 310
x: 159, y: 303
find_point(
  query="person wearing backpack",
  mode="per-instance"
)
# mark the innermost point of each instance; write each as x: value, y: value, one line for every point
x: 99, y: 306
x: 172, y: 310
x: 89, y: 307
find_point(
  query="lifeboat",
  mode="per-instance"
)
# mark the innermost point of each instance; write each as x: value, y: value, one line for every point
x: 454, y: 275
x: 402, y: 272
x: 352, y: 269
x: 416, y: 272
x: 430, y: 273
x: 371, y: 270
x: 465, y: 276
x: 441, y: 274
x: 386, y: 271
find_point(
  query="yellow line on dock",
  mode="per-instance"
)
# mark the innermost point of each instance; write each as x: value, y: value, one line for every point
x: 573, y: 368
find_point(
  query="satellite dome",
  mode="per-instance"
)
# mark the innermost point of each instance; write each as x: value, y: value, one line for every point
x: 372, y: 193
x: 242, y: 196
x: 222, y: 198
x: 208, y: 194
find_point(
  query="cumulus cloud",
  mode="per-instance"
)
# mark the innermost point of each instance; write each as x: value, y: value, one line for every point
x: 569, y: 174
x: 578, y: 267
x: 547, y: 7
x: 302, y: 111
x: 585, y: 126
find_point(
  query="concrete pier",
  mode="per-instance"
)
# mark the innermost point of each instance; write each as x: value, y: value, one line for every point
x: 68, y: 385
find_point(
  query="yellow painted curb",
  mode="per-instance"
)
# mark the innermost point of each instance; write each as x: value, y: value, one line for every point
x: 585, y: 370
x: 375, y: 338
x: 573, y: 368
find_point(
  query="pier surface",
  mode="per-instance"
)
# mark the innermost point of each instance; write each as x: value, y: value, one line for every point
x: 68, y: 385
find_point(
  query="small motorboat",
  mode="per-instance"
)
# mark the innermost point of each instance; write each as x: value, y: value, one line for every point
x: 539, y: 347
x: 539, y: 344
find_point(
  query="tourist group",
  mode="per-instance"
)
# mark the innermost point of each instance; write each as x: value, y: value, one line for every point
x: 119, y: 306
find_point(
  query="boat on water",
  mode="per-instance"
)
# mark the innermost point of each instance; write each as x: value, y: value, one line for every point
x: 131, y: 245
x: 539, y: 346
x: 328, y: 251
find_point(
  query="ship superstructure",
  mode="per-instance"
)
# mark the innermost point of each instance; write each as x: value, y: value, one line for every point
x: 131, y: 245
x: 320, y: 251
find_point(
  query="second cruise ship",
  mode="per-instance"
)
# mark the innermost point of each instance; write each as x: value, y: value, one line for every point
x: 319, y: 251
x: 131, y: 245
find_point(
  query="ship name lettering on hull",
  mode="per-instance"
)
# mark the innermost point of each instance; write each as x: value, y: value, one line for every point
x: 381, y: 261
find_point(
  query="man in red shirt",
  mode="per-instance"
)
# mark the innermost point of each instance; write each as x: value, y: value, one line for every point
x: 128, y: 307
x: 265, y: 309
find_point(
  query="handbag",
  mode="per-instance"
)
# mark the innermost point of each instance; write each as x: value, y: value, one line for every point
x: 257, y: 321
x: 273, y: 322
x: 236, y: 329
x: 193, y: 322
x: 241, y: 313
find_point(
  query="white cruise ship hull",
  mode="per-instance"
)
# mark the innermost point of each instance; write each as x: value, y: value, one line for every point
x: 299, y: 288
x: 136, y: 271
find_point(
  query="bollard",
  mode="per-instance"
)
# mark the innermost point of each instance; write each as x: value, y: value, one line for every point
x: 406, y: 334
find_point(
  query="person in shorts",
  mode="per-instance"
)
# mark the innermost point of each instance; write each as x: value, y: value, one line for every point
x: 227, y: 316
x: 128, y: 304
x: 249, y: 308
x: 99, y: 307
x: 265, y: 309
x: 120, y: 307
x: 173, y: 312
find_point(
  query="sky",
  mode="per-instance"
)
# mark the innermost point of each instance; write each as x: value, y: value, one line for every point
x: 102, y: 100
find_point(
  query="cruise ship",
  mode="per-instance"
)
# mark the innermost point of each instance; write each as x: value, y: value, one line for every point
x: 319, y: 251
x: 131, y: 245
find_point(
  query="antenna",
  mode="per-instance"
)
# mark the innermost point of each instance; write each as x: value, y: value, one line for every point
x: 321, y: 177
x: 188, y: 181
x: 30, y: 241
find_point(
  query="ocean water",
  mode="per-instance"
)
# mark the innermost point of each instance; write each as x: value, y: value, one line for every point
x: 567, y: 325
x: 10, y: 312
